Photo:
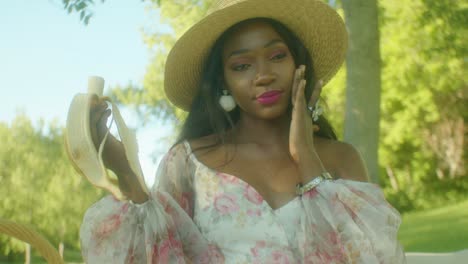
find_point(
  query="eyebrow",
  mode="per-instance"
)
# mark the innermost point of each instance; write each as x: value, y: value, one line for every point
x: 240, y: 51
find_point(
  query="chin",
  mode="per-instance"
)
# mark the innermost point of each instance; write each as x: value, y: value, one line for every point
x: 272, y: 113
x: 261, y: 112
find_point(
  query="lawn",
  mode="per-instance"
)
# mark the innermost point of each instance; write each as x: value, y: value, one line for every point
x: 438, y: 230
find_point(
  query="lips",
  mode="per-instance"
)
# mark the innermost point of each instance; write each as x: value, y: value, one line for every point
x: 269, y: 97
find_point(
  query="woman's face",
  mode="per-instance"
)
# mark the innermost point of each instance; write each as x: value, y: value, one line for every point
x: 258, y: 70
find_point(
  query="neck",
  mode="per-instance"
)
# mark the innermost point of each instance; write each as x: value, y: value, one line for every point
x: 262, y: 132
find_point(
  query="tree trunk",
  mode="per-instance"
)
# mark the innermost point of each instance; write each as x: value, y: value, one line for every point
x: 361, y: 126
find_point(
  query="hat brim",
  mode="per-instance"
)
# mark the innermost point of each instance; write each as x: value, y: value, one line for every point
x: 316, y: 24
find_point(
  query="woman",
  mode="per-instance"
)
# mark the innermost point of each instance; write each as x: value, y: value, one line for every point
x: 248, y: 180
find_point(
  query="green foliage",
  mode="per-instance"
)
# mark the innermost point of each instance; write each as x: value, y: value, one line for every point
x: 39, y: 187
x: 150, y: 100
x: 424, y: 92
x: 81, y: 7
x: 334, y: 96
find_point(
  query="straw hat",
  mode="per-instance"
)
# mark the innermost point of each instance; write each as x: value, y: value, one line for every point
x: 316, y: 24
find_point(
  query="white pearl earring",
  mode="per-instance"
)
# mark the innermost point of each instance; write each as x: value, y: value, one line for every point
x: 227, y: 101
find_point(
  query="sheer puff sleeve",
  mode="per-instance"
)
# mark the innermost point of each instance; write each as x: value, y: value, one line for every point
x: 160, y: 230
x: 349, y: 222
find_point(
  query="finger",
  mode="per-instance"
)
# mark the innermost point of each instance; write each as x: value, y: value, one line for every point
x: 102, y: 124
x: 95, y: 116
x: 103, y: 103
x: 314, y: 97
x: 294, y: 86
x: 300, y: 102
x: 298, y: 76
x: 94, y: 101
x: 98, y: 105
x: 94, y: 135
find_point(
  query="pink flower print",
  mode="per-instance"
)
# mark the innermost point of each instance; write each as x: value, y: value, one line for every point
x: 252, y: 195
x: 154, y: 253
x: 227, y: 178
x: 162, y: 198
x: 124, y: 208
x: 184, y: 202
x: 311, y: 194
x: 130, y: 256
x: 258, y: 245
x: 318, y: 257
x: 261, y: 243
x: 168, y: 250
x: 254, y: 251
x: 212, y: 255
x: 164, y: 202
x: 278, y: 257
x: 321, y: 256
x: 254, y: 212
x: 226, y: 203
x: 108, y: 226
x: 333, y: 238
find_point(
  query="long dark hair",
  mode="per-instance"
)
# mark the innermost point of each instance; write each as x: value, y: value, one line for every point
x: 206, y: 117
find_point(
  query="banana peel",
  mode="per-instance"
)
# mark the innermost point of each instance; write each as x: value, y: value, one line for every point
x: 79, y: 144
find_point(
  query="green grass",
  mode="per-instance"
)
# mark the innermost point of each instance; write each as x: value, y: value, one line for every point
x: 438, y: 230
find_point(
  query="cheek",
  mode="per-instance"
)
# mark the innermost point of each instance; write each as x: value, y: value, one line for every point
x: 290, y: 77
x: 238, y: 83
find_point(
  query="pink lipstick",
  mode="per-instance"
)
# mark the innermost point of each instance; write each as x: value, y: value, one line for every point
x: 269, y: 97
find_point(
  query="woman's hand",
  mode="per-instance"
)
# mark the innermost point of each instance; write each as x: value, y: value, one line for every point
x: 301, y: 138
x: 113, y: 154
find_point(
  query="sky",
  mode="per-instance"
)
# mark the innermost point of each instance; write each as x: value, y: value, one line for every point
x: 46, y: 56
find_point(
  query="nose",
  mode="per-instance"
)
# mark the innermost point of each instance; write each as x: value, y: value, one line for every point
x: 264, y: 75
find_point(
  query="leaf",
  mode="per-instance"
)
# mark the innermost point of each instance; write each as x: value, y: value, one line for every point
x: 80, y: 6
x: 86, y: 19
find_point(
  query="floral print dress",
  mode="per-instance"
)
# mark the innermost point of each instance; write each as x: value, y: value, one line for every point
x: 198, y: 215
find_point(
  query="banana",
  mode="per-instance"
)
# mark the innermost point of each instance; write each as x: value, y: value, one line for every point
x: 79, y: 144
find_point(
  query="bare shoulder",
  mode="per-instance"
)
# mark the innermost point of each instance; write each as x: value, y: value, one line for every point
x: 203, y: 144
x: 208, y: 150
x: 344, y: 158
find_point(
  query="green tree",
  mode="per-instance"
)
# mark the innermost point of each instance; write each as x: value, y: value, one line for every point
x: 39, y: 186
x: 424, y: 95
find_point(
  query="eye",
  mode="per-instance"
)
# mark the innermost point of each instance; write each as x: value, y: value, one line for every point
x: 241, y: 67
x: 278, y: 56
